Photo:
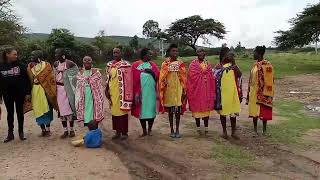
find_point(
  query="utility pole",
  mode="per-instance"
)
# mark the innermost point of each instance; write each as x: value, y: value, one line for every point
x: 162, y: 47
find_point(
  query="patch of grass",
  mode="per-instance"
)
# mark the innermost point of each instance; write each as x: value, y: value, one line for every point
x: 232, y: 155
x: 284, y: 63
x: 297, y: 123
x: 101, y: 66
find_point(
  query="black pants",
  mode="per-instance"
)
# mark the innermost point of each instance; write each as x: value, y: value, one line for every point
x: 10, y: 100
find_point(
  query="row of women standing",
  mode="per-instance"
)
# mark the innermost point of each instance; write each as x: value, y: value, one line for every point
x: 140, y: 88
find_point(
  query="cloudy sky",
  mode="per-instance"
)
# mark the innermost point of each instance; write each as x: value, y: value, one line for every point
x: 252, y: 22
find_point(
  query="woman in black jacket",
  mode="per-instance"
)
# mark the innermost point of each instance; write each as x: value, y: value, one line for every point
x: 15, y: 89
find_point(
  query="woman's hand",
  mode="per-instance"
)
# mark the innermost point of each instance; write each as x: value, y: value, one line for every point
x: 137, y: 99
x: 183, y: 97
x: 149, y: 71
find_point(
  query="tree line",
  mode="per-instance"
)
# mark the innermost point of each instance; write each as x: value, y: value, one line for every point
x: 185, y: 32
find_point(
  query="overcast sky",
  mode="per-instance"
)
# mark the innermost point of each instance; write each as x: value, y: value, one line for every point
x: 253, y: 22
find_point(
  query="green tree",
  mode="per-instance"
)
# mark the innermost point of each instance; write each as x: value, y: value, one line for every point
x: 239, y: 48
x: 305, y: 29
x: 29, y: 46
x: 188, y: 30
x: 83, y: 49
x: 134, y: 42
x: 11, y: 30
x: 151, y: 29
x: 61, y: 38
x: 104, y: 43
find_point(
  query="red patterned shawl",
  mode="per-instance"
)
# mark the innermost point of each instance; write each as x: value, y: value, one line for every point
x: 95, y: 82
x: 124, y: 74
x: 200, y: 87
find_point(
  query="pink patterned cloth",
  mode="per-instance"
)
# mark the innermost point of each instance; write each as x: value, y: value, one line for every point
x: 95, y: 82
x: 200, y: 87
x: 63, y: 101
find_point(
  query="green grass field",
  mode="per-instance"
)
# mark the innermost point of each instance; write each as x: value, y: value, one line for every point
x: 284, y: 63
x: 297, y: 123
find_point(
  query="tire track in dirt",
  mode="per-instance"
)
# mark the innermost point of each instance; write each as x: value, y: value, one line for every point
x: 285, y: 163
x: 143, y: 164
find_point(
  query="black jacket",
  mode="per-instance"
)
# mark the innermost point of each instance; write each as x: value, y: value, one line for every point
x: 14, y: 79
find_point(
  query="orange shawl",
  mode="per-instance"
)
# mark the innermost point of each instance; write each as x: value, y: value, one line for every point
x: 47, y: 81
x: 163, y: 80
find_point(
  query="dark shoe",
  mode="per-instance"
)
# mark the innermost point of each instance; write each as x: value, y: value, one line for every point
x: 116, y: 136
x: 48, y: 134
x: 143, y: 134
x: 255, y: 135
x: 225, y: 136
x: 64, y: 135
x: 9, y: 138
x: 21, y: 136
x: 206, y: 131
x: 72, y: 134
x: 124, y: 137
x: 43, y: 134
x: 234, y: 136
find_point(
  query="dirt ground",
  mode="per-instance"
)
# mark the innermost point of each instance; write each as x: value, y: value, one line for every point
x: 158, y: 156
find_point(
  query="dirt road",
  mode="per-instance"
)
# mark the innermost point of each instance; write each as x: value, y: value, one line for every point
x: 156, y: 157
x: 52, y: 158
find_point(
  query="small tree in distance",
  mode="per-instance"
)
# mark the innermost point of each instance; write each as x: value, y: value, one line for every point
x: 305, y: 29
x: 134, y: 42
x: 188, y: 30
x: 151, y: 29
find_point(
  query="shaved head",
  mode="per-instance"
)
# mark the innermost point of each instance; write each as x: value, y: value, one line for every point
x: 117, y: 54
x: 201, y: 53
x: 200, y: 50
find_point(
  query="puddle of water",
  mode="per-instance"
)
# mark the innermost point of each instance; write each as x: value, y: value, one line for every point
x: 313, y: 108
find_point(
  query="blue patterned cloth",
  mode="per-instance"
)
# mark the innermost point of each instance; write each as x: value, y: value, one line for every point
x: 46, y: 118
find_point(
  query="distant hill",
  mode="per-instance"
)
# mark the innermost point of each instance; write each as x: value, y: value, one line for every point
x: 120, y: 39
